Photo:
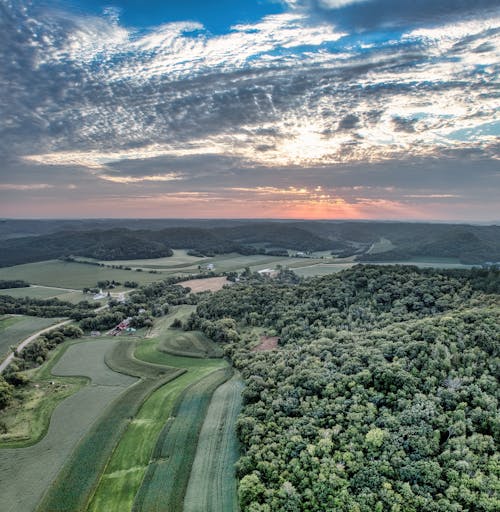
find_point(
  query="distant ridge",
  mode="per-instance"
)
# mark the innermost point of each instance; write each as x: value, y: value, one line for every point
x: 26, y: 241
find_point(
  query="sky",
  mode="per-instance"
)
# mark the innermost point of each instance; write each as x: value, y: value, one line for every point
x: 328, y: 109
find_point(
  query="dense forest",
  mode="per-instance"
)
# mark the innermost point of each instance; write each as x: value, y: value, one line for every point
x: 114, y: 240
x: 382, y: 394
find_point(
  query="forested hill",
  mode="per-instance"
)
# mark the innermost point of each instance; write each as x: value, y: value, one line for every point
x: 381, y: 396
x: 367, y: 241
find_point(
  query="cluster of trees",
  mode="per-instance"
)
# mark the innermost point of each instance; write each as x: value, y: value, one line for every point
x: 13, y: 283
x: 31, y: 356
x: 36, y: 353
x: 361, y: 297
x: 48, y: 308
x: 383, y: 394
x: 142, y: 305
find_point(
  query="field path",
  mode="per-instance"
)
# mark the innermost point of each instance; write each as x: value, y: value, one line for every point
x: 25, y: 473
x: 54, y: 288
x: 212, y: 483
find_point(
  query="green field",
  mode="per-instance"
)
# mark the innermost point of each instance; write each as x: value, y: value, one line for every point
x: 167, y: 476
x: 106, y: 441
x: 28, y: 472
x: 76, y: 482
x: 72, y: 275
x: 14, y: 329
x: 212, y: 483
x: 321, y: 269
x: 179, y: 258
x: 126, y: 468
x: 189, y: 344
x: 382, y: 245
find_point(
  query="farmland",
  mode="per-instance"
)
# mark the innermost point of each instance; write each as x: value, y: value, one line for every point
x: 130, y: 459
x: 189, y: 344
x: 212, y: 284
x: 211, y: 485
x: 56, y: 273
x: 138, y: 403
x: 27, y: 472
x: 168, y: 473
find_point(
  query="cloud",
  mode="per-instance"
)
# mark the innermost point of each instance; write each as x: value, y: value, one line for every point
x: 368, y: 14
x: 90, y: 103
x: 30, y: 186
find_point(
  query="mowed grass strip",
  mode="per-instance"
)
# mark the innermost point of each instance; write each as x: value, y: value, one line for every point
x: 76, y: 482
x: 167, y: 476
x: 126, y: 468
x: 212, y: 483
x: 189, y: 344
x: 121, y: 359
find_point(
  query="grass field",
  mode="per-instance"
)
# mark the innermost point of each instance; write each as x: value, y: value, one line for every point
x: 179, y: 258
x: 167, y: 476
x: 321, y: 269
x: 382, y: 245
x: 189, y: 344
x: 28, y: 472
x: 72, y: 275
x: 212, y: 483
x: 14, y: 329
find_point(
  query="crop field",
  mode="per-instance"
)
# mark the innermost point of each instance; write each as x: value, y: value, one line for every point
x: 167, y: 476
x: 125, y: 471
x: 212, y: 483
x: 14, y: 329
x: 72, y: 275
x: 27, y: 418
x: 212, y: 284
x: 27, y: 472
x: 312, y: 270
x: 103, y: 448
x: 77, y: 481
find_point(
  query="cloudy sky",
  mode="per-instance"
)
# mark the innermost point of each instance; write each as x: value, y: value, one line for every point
x: 383, y: 109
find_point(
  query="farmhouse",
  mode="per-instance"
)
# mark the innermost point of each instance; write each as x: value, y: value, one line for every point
x: 268, y: 272
x: 99, y: 295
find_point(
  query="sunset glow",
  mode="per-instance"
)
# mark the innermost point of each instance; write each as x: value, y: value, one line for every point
x: 292, y: 109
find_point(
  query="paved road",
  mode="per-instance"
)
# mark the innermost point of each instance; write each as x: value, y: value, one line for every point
x: 34, y: 336
x: 27, y: 341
